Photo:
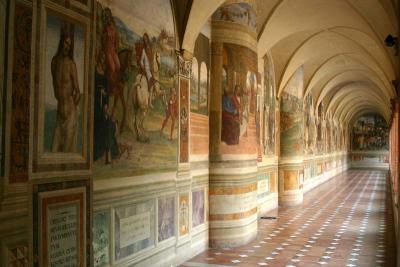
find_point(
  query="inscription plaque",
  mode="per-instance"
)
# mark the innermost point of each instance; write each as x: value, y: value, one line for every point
x: 61, y: 224
x: 134, y: 229
x: 63, y: 235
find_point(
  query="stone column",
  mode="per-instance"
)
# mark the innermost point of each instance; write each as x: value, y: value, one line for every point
x: 233, y: 140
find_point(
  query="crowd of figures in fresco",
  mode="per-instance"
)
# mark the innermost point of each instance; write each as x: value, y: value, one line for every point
x: 310, y: 130
x: 136, y: 94
x: 370, y: 132
x: 291, y: 118
x: 239, y: 98
x: 241, y: 13
x: 268, y: 135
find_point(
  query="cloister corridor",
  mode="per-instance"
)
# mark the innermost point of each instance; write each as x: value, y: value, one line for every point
x: 199, y: 133
x: 347, y: 221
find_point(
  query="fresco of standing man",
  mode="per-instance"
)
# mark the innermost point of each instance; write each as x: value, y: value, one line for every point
x: 145, y: 61
x: 66, y: 91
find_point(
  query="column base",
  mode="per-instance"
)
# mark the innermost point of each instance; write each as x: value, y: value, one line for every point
x: 233, y: 237
x: 292, y: 198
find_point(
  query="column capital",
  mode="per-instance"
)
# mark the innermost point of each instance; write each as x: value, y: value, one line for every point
x: 184, y: 58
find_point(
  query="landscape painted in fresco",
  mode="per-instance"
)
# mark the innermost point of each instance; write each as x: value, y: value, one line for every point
x: 370, y: 132
x: 199, y: 82
x: 199, y: 88
x: 194, y: 86
x: 64, y: 85
x: 291, y: 120
x: 241, y: 13
x: 136, y: 94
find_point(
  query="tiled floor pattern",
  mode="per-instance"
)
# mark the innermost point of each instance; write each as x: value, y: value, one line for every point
x: 345, y: 222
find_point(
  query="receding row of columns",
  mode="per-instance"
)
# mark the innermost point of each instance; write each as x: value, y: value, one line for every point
x: 234, y: 140
x: 233, y: 147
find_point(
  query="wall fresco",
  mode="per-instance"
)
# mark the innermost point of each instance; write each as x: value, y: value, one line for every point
x: 241, y: 13
x: 64, y: 84
x: 291, y: 117
x: 269, y: 106
x: 136, y: 91
x: 200, y: 80
x: 239, y: 92
x: 370, y: 132
x: 309, y: 126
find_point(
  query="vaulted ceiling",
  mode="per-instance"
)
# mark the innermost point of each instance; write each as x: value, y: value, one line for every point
x: 340, y: 44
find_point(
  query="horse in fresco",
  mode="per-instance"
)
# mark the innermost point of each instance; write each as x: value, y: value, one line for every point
x: 142, y: 97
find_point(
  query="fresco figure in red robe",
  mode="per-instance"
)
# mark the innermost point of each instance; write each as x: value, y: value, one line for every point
x: 171, y: 111
x: 110, y: 42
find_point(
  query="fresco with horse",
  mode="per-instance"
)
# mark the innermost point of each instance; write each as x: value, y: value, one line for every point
x: 136, y: 104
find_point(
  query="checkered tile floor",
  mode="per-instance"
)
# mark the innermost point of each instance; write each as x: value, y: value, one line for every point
x: 347, y: 221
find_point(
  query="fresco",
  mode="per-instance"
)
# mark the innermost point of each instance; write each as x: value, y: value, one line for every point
x: 203, y: 89
x: 101, y: 238
x: 269, y: 107
x: 197, y: 208
x: 200, y: 75
x: 320, y: 138
x: 166, y: 218
x: 194, y: 86
x: 328, y: 136
x: 370, y: 132
x: 64, y: 68
x: 183, y: 214
x: 291, y: 118
x: 336, y: 140
x: 19, y: 132
x: 308, y: 125
x: 134, y: 228
x: 239, y: 92
x: 136, y: 91
x: 241, y: 13
x: 258, y: 117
